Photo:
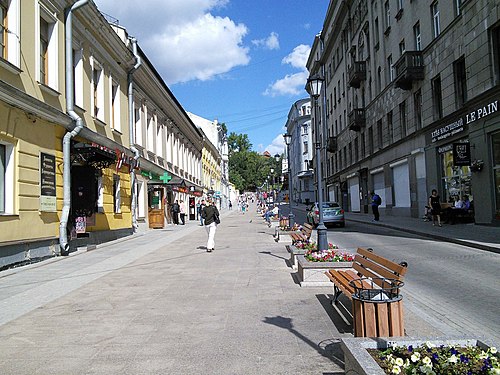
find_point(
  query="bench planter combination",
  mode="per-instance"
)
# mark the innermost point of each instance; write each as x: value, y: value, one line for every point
x: 314, y: 273
x: 358, y: 359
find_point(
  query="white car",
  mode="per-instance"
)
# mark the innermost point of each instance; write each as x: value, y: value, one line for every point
x: 332, y: 214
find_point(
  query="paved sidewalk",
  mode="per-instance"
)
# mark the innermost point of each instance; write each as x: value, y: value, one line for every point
x: 160, y: 304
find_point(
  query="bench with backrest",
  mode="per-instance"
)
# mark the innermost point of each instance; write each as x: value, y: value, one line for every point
x: 303, y: 235
x: 369, y: 272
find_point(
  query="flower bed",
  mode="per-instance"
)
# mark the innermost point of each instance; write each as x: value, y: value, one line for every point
x: 330, y: 255
x: 419, y: 356
x: 313, y: 273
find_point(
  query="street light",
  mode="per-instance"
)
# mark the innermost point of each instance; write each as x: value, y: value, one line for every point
x: 313, y: 87
x: 288, y: 141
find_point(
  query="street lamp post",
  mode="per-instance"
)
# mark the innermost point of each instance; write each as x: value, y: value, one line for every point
x: 288, y: 141
x: 313, y: 87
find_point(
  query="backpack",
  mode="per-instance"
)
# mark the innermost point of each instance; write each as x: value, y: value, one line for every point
x: 377, y: 199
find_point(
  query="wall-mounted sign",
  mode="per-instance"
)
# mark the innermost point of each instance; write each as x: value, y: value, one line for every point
x: 482, y: 112
x: 47, y: 183
x: 461, y: 154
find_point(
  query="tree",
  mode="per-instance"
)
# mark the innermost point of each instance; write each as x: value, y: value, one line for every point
x: 238, y: 143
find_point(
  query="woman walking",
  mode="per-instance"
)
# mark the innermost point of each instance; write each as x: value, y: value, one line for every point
x: 210, y: 215
x: 435, y: 204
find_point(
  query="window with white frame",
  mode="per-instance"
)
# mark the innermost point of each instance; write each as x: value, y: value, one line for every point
x: 387, y: 10
x: 436, y: 29
x: 97, y: 98
x: 417, y: 37
x: 115, y: 106
x: 138, y: 123
x: 402, y: 47
x: 117, y: 199
x: 47, y: 48
x: 390, y: 66
x: 9, y: 31
x: 78, y: 76
x: 6, y: 178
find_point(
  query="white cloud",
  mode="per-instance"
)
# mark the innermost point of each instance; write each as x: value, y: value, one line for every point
x: 292, y: 84
x: 271, y: 42
x: 277, y: 146
x: 298, y: 57
x: 183, y: 40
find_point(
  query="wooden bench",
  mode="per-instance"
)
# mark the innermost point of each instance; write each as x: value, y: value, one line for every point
x: 370, y: 273
x: 303, y: 235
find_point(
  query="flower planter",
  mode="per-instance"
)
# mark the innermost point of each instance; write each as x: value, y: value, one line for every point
x: 359, y: 361
x: 313, y: 273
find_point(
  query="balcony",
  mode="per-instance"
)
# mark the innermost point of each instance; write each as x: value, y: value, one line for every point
x: 331, y: 145
x: 357, y: 74
x: 409, y: 68
x: 357, y: 119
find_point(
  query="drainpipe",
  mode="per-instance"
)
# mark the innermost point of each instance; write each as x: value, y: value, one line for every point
x: 130, y: 81
x: 63, y: 235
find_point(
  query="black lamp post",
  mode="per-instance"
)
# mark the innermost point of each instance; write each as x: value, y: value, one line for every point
x: 288, y: 141
x: 313, y: 87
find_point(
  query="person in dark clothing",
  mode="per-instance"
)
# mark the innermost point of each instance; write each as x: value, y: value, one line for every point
x: 376, y: 201
x: 435, y: 204
x: 211, y: 217
x: 175, y: 212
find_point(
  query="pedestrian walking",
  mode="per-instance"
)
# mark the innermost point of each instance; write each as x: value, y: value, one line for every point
x: 230, y: 205
x: 182, y: 212
x: 435, y: 204
x: 175, y: 212
x: 200, y: 211
x: 211, y: 218
x: 376, y: 201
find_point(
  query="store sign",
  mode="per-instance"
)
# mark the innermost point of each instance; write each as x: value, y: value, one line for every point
x: 461, y: 154
x: 482, y: 112
x: 47, y: 183
x: 448, y: 131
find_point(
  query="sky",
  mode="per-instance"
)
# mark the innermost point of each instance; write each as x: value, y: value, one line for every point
x: 241, y: 62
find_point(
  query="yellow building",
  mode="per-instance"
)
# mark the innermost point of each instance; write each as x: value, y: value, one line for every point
x: 64, y: 159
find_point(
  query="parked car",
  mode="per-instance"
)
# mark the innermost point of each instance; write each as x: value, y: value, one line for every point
x: 332, y: 214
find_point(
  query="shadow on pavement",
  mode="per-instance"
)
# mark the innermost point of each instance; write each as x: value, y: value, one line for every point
x: 338, y: 313
x: 327, y: 348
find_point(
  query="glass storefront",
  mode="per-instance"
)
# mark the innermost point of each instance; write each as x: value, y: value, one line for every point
x: 496, y: 170
x: 456, y: 179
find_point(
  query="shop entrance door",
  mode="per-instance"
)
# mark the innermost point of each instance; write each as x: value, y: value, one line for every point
x: 155, y: 211
x: 192, y: 208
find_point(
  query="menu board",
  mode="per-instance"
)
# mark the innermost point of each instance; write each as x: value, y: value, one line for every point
x: 47, y: 183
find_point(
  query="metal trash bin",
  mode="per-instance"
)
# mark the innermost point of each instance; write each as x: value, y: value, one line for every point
x: 377, y: 307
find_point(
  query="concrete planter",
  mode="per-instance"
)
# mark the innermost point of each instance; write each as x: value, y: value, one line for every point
x: 313, y: 273
x: 359, y: 361
x: 294, y: 252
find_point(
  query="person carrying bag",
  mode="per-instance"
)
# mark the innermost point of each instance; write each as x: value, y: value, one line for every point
x: 211, y: 218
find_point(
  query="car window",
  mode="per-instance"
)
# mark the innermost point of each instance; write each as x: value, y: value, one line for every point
x: 330, y: 205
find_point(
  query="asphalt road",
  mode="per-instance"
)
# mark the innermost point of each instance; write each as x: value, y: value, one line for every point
x: 454, y: 288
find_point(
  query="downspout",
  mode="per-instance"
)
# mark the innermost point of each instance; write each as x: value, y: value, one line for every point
x: 130, y: 81
x: 63, y: 235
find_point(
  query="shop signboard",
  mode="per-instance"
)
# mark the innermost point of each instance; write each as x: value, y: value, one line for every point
x: 461, y: 154
x: 47, y: 183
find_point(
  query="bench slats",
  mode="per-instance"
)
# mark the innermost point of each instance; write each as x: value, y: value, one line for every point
x: 398, y: 268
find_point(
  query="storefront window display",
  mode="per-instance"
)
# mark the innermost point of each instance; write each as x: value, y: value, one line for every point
x: 456, y: 179
x: 496, y: 171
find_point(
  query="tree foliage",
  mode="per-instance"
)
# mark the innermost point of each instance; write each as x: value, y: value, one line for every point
x: 248, y: 170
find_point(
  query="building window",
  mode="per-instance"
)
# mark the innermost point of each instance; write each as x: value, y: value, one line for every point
x: 97, y: 90
x: 387, y: 11
x: 402, y: 48
x: 370, y: 141
x: 378, y: 83
x: 402, y: 118
x: 3, y: 28
x: 6, y: 178
x: 496, y: 165
x: 363, y: 146
x: 416, y: 37
x: 116, y: 194
x: 150, y: 131
x: 460, y: 77
x: 437, y: 98
x: 377, y: 33
x: 356, y: 150
x: 115, y: 106
x: 390, y: 128
x: 417, y: 104
x: 390, y: 68
x: 48, y: 51
x: 78, y: 76
x: 380, y: 135
x: 435, y: 19
x: 495, y: 51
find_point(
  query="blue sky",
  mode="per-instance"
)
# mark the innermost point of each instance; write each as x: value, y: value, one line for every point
x: 239, y: 61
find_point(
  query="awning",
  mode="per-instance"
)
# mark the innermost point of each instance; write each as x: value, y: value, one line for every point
x: 177, y: 181
x: 94, y: 155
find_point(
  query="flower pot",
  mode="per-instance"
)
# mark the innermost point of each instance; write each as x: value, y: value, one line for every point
x: 313, y: 273
x: 359, y: 361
